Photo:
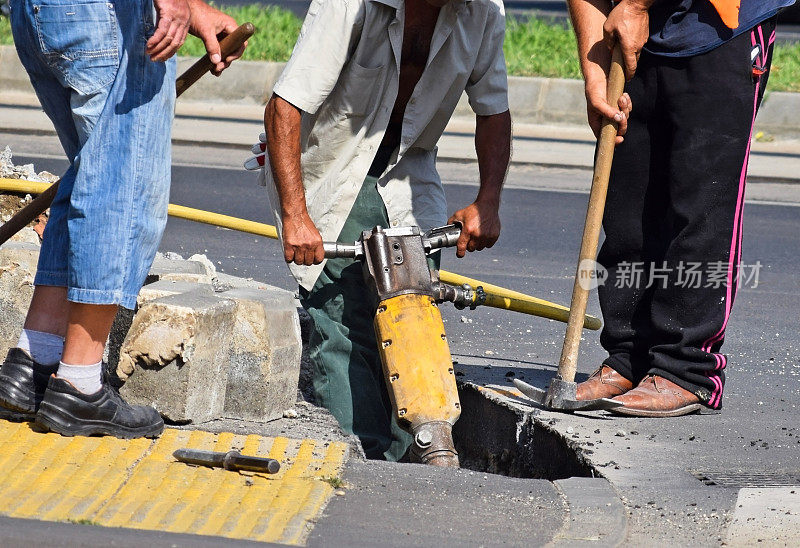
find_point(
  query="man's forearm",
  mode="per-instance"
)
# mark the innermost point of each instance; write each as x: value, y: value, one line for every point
x: 282, y: 125
x: 595, y: 23
x: 588, y: 17
x: 493, y: 148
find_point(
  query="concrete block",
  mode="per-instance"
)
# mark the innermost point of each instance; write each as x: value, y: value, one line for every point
x: 165, y: 268
x: 179, y: 346
x: 264, y: 363
x: 124, y: 319
x: 17, y: 269
x: 168, y: 286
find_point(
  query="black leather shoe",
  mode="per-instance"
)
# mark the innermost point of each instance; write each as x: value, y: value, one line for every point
x: 23, y: 381
x: 69, y: 412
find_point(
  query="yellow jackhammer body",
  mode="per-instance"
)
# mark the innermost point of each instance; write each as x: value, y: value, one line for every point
x: 412, y: 343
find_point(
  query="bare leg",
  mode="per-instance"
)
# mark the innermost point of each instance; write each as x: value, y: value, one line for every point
x: 87, y: 331
x: 49, y: 310
x: 84, y: 326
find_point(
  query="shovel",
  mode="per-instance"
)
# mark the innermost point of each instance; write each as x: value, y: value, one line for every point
x: 561, y: 394
x: 228, y: 45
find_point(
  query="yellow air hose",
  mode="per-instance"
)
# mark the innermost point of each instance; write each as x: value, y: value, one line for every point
x: 496, y: 296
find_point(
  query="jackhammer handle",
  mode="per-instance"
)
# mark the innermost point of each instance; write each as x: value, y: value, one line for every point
x: 594, y: 221
x: 443, y: 236
x: 228, y: 46
x: 335, y: 250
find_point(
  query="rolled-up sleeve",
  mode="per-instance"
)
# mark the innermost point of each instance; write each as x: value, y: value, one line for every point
x: 487, y: 88
x: 330, y: 31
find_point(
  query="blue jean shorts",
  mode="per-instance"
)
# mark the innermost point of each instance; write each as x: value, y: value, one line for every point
x: 112, y: 109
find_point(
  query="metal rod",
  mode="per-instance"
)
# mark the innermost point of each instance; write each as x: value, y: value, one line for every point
x: 232, y: 460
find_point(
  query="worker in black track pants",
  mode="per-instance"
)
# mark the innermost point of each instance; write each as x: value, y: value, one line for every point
x: 673, y: 220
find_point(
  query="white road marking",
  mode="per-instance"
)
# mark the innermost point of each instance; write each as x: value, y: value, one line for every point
x: 766, y: 517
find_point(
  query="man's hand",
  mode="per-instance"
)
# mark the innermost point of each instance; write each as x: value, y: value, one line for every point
x: 211, y: 25
x: 629, y: 25
x: 598, y: 109
x: 480, y: 226
x: 302, y: 242
x: 173, y: 24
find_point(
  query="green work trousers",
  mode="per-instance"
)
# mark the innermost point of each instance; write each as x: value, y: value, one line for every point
x: 347, y: 373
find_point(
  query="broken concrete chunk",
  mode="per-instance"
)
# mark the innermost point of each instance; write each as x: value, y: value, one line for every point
x: 265, y: 354
x: 18, y: 262
x: 179, y: 347
x: 211, y: 270
x: 27, y: 236
x: 179, y: 270
x: 168, y: 286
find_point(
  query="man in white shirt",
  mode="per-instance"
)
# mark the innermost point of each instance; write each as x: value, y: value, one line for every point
x: 352, y: 128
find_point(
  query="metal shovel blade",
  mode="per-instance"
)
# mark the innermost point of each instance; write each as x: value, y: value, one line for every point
x: 553, y: 398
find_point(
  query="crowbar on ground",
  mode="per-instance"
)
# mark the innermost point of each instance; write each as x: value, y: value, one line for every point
x: 232, y: 460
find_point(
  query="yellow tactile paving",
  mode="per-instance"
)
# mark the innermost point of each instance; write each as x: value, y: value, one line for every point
x: 138, y: 484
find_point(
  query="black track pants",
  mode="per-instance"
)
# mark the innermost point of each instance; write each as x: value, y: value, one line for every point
x: 673, y: 220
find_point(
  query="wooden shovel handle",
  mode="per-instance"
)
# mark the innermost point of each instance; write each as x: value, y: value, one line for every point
x: 594, y: 221
x: 228, y: 45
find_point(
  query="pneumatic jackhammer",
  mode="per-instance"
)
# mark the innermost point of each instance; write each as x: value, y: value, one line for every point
x: 417, y: 365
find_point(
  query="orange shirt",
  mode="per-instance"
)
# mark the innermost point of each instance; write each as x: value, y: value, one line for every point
x: 728, y: 11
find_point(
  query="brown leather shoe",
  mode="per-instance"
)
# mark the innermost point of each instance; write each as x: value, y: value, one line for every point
x: 604, y: 383
x: 657, y: 397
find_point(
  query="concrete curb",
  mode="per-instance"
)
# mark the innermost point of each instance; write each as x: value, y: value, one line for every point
x: 532, y: 100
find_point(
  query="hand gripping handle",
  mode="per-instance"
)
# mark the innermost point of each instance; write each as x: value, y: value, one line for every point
x: 228, y: 46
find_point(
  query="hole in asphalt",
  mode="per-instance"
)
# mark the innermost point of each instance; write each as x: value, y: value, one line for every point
x: 486, y: 434
x: 490, y: 437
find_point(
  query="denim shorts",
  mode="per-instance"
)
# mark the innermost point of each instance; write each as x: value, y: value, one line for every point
x: 112, y: 109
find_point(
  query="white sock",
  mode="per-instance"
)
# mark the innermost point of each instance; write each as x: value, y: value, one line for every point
x: 86, y: 378
x: 44, y: 348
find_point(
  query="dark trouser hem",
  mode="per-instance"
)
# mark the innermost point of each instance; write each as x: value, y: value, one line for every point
x: 698, y: 390
x: 621, y: 363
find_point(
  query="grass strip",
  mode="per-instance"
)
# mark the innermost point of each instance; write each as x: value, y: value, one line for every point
x: 533, y: 47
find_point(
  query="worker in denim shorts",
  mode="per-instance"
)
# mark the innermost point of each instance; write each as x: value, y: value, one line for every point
x: 104, y: 73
